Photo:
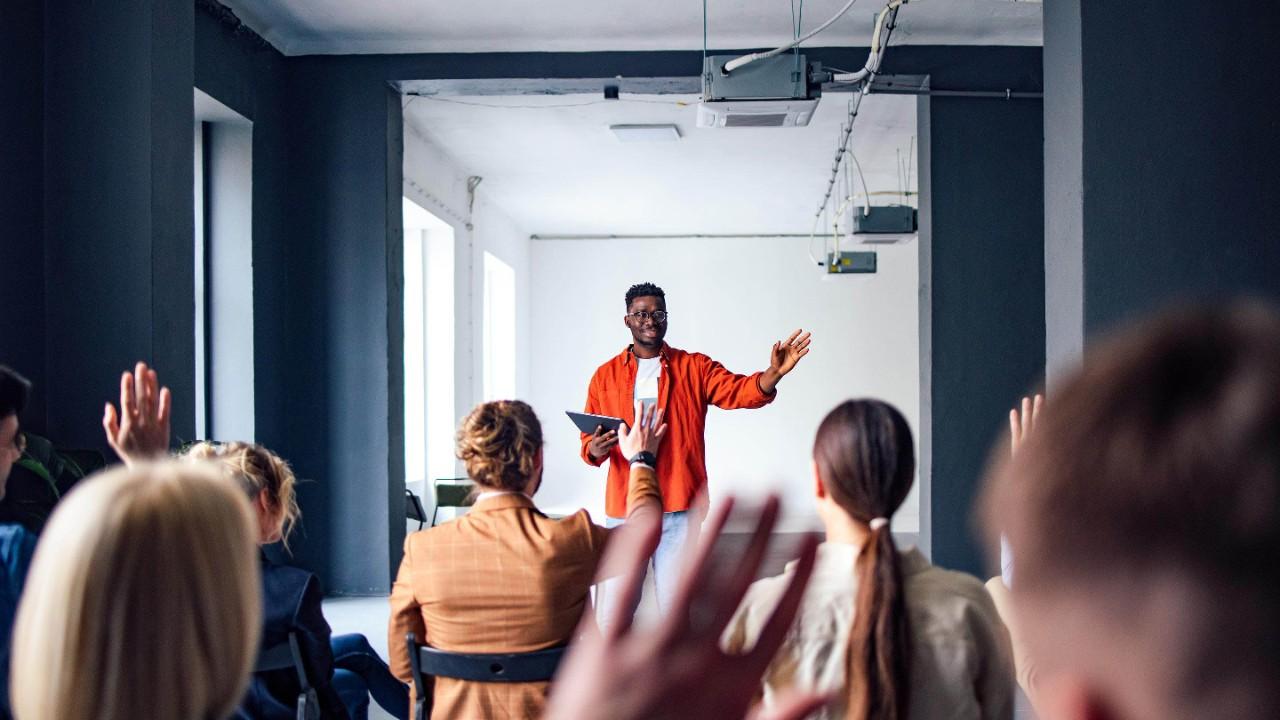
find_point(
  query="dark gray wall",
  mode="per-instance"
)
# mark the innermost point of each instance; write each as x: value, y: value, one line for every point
x: 986, y: 215
x: 117, y: 207
x: 327, y: 289
x: 22, y: 308
x: 1179, y: 156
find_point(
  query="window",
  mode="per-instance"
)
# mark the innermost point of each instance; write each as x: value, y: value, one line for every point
x: 224, y: 272
x: 428, y: 345
x: 499, y: 329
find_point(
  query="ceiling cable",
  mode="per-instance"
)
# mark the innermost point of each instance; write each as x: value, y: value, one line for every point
x: 738, y: 62
x: 879, y: 41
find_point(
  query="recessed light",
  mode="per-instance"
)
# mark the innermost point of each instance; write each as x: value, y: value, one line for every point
x: 646, y: 133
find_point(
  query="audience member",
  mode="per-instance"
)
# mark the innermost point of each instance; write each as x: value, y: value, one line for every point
x: 16, y: 544
x: 678, y: 670
x: 505, y: 577
x: 142, y: 601
x: 1144, y: 519
x: 1021, y: 425
x: 893, y: 635
x: 344, y: 669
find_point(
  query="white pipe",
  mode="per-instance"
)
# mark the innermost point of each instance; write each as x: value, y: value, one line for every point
x: 876, y: 56
x: 738, y: 62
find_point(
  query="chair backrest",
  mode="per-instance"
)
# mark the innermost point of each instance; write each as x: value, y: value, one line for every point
x: 413, y: 509
x: 453, y: 492
x: 537, y: 666
x: 285, y: 656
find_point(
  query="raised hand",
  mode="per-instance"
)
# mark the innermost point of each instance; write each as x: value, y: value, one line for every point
x: 1021, y: 424
x: 678, y: 669
x: 787, y: 353
x: 646, y: 435
x: 140, y: 430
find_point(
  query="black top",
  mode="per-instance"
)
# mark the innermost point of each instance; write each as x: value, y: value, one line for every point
x: 291, y: 600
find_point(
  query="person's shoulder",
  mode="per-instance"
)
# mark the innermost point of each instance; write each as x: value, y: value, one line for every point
x: 611, y: 365
x: 764, y: 594
x: 15, y: 540
x: 12, y: 532
x: 288, y: 584
x: 574, y: 524
x: 950, y: 598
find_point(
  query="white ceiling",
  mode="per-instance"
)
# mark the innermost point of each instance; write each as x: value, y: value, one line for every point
x: 305, y: 27
x: 551, y: 163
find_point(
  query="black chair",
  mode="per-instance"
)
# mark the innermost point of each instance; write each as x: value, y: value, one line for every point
x: 284, y: 656
x: 452, y: 493
x: 413, y: 509
x: 427, y: 662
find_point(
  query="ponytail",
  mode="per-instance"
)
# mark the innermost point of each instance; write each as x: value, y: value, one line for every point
x: 879, y: 653
x: 865, y: 459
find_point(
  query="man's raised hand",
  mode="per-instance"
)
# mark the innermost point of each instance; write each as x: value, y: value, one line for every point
x: 140, y: 430
x: 787, y: 353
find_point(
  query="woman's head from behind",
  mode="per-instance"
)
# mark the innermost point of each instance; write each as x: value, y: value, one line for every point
x: 500, y: 443
x: 265, y: 478
x: 865, y: 463
x: 143, y: 600
x: 864, y: 459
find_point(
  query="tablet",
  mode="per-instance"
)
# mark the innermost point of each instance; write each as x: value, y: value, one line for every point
x: 588, y: 423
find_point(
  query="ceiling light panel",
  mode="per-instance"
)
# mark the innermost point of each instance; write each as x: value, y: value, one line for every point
x: 646, y: 133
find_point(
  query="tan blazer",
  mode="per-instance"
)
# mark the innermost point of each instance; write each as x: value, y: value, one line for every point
x: 502, y: 578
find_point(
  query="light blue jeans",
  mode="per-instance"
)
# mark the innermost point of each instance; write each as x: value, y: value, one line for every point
x: 665, y: 566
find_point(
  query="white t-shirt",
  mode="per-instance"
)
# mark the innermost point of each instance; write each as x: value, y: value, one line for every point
x: 647, y: 372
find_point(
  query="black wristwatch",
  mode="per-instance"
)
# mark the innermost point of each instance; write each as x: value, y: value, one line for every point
x: 644, y: 457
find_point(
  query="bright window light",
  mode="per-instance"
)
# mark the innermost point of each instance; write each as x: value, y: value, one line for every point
x: 429, y: 416
x: 499, y: 329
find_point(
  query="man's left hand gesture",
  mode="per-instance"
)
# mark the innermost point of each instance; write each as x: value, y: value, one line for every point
x: 783, y: 358
x: 787, y: 353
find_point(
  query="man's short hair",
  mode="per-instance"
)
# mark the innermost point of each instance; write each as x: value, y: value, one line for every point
x: 14, y: 391
x: 644, y: 289
x: 1144, y: 515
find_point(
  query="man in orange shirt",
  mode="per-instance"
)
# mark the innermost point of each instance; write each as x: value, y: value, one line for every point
x: 683, y: 384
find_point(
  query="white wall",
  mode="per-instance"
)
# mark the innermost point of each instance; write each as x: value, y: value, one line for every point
x: 730, y: 299
x: 435, y: 181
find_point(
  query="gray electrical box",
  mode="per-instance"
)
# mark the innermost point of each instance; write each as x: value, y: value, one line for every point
x: 897, y: 219
x: 781, y: 77
x: 851, y: 263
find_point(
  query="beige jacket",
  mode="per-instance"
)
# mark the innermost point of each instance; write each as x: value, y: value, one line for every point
x: 961, y: 665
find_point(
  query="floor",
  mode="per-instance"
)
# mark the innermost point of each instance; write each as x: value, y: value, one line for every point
x: 364, y: 615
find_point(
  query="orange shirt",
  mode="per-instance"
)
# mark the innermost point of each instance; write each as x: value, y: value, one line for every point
x: 688, y: 384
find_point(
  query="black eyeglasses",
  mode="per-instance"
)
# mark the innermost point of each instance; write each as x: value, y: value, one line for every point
x: 659, y: 316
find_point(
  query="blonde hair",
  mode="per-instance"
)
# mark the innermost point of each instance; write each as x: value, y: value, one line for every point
x: 499, y: 443
x: 257, y: 470
x: 143, y: 600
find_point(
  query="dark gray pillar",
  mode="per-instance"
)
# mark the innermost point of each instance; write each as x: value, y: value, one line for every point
x: 22, y: 322
x: 119, y: 262
x: 985, y: 227
x: 1179, y: 158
